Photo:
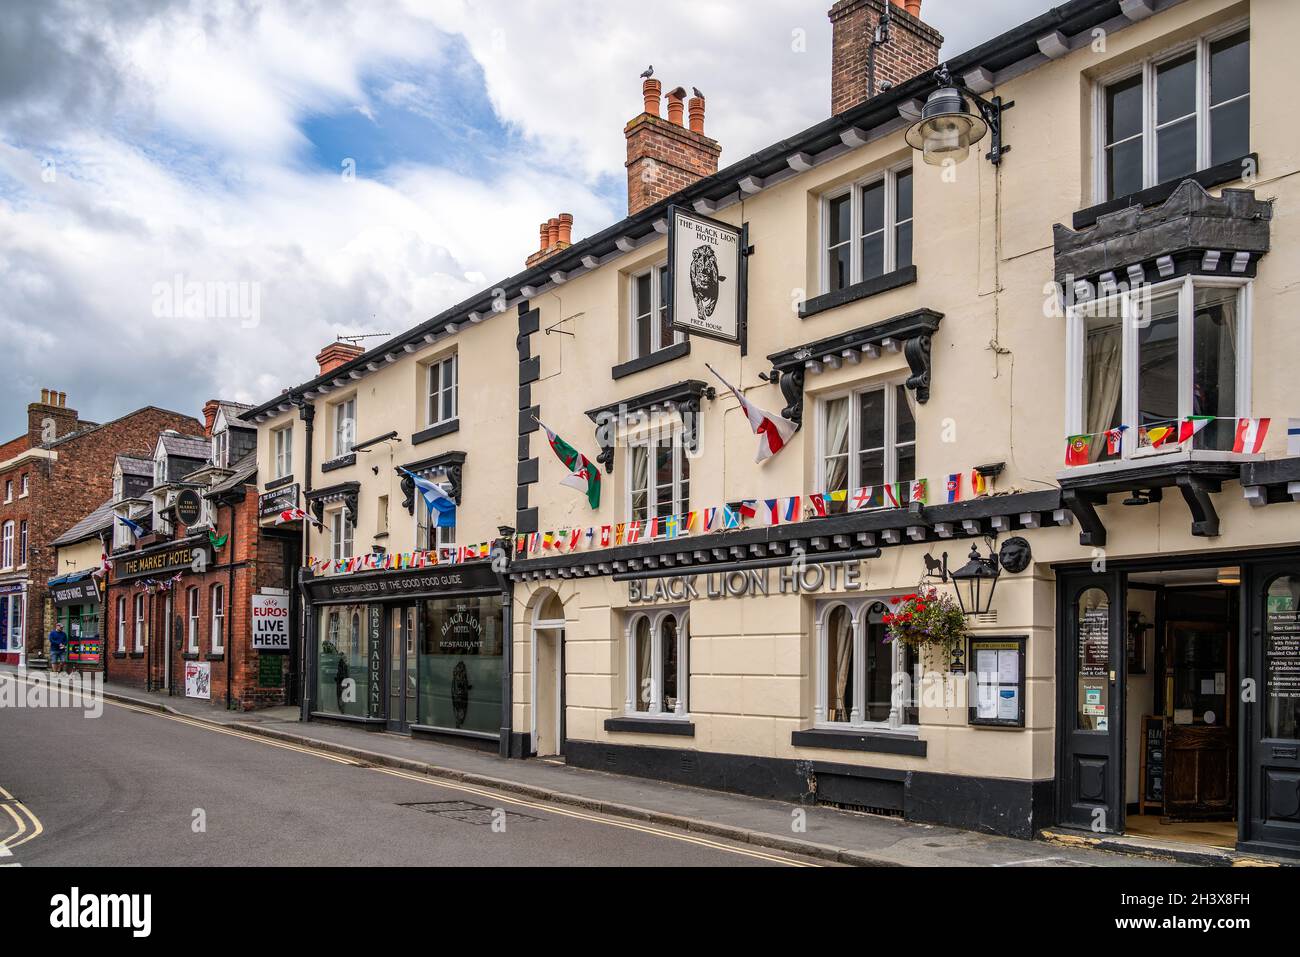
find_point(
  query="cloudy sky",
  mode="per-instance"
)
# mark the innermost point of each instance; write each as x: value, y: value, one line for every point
x: 356, y: 167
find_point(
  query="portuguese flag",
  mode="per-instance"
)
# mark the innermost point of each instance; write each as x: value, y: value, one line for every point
x: 1078, y: 450
x: 583, y: 475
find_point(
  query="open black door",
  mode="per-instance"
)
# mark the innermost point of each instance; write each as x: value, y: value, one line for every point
x: 1270, y: 778
x: 1090, y: 714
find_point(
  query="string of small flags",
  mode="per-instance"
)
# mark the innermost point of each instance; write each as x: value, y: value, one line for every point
x: 152, y: 585
x: 1167, y: 432
x: 400, y: 561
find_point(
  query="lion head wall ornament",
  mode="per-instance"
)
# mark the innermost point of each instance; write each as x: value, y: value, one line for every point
x: 705, y: 280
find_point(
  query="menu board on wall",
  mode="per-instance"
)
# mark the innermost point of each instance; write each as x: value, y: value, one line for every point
x: 997, y: 682
x: 1282, y: 667
x: 1094, y: 668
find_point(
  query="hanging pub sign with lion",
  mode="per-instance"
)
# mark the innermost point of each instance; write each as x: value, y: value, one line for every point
x: 706, y: 260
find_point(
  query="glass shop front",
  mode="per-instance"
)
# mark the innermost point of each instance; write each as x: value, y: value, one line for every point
x: 415, y: 651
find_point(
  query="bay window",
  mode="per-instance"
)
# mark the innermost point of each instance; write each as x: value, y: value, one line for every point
x: 1149, y: 359
x: 862, y: 680
x: 867, y: 230
x: 441, y: 403
x: 1173, y: 115
x: 660, y: 477
x: 658, y: 676
x: 651, y: 329
x: 867, y: 439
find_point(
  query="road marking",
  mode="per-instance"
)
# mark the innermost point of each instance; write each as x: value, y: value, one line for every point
x: 583, y: 816
x: 436, y: 782
x: 17, y: 839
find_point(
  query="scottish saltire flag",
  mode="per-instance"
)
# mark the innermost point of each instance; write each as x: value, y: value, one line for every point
x: 954, y: 487
x: 730, y: 517
x: 792, y: 509
x: 773, y: 431
x: 435, y: 499
x: 137, y: 530
x: 863, y: 497
x: 1250, y: 435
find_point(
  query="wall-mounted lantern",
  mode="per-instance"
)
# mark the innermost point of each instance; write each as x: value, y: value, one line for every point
x: 948, y: 129
x: 974, y: 582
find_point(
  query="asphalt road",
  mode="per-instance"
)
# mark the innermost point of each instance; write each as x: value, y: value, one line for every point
x: 136, y: 787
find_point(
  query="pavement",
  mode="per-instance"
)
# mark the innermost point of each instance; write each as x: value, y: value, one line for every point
x: 320, y: 793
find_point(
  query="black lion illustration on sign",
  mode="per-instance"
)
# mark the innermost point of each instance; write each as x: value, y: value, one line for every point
x: 705, y: 280
x: 460, y: 689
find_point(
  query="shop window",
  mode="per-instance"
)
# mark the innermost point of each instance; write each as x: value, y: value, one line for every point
x: 1173, y: 115
x: 659, y: 481
x: 7, y: 546
x: 121, y: 624
x: 282, y: 451
x: 1151, y: 358
x: 651, y: 329
x: 863, y: 680
x: 345, y: 426
x: 192, y: 621
x: 13, y: 621
x: 461, y: 664
x: 868, y: 439
x: 217, y: 636
x: 343, y: 674
x: 441, y: 401
x: 657, y: 664
x: 867, y: 230
x: 1281, y: 617
x: 139, y: 624
x: 341, y: 533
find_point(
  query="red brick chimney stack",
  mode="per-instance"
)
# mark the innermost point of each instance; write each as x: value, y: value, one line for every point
x: 210, y: 410
x: 336, y: 354
x: 912, y: 48
x: 50, y: 418
x: 555, y: 235
x: 664, y: 156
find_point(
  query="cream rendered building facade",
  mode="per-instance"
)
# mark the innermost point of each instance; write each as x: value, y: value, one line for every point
x: 969, y: 347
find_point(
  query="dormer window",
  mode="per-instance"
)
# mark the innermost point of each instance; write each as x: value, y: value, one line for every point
x: 160, y: 469
x: 117, y: 485
x: 221, y: 449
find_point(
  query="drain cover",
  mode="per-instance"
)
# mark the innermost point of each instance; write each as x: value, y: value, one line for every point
x: 482, y: 815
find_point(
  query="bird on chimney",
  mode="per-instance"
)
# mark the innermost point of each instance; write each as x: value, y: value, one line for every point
x: 649, y: 72
x: 696, y: 91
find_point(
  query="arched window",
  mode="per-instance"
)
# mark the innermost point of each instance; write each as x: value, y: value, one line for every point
x: 657, y: 664
x: 863, y: 679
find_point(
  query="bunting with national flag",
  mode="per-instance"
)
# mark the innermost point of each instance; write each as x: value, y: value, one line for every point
x: 1191, y: 425
x: 583, y: 475
x: 954, y: 487
x: 978, y: 484
x: 773, y: 431
x: 1078, y: 450
x: 435, y: 499
x: 1250, y: 435
x: 864, y: 497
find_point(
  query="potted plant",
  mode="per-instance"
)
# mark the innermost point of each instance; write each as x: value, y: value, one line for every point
x: 927, y: 620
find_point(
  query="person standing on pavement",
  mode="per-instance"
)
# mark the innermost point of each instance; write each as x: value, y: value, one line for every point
x: 58, y: 649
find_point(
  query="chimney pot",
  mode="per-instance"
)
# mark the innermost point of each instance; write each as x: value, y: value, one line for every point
x: 336, y: 354
x: 651, y: 90
x: 566, y: 229
x: 63, y: 400
x: 552, y: 231
x: 675, y: 98
x: 697, y: 114
x: 544, y: 237
x: 45, y: 397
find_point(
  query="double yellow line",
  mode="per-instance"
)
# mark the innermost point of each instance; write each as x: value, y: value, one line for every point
x: 409, y: 776
x: 28, y: 824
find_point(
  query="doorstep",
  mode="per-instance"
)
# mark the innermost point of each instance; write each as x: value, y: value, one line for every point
x: 1200, y: 855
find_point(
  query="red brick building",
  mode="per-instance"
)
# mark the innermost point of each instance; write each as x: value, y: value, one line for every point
x: 50, y: 477
x: 185, y: 590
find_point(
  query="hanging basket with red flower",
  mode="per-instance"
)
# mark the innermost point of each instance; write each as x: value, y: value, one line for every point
x: 926, y: 618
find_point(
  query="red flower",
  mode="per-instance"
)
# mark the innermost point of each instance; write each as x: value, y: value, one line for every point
x: 893, y: 599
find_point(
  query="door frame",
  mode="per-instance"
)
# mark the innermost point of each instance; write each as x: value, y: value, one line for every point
x: 538, y: 627
x: 401, y: 723
x: 1070, y: 584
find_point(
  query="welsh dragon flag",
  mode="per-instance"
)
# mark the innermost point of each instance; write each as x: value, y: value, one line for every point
x: 583, y: 475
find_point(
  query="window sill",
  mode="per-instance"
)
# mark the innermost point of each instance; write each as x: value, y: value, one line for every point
x: 220, y: 656
x: 189, y: 656
x: 1210, y: 177
x: 858, y: 291
x: 136, y: 654
x: 119, y: 654
x: 676, y: 726
x: 339, y: 462
x: 280, y: 482
x: 436, y: 431
x: 640, y: 364
x: 865, y: 739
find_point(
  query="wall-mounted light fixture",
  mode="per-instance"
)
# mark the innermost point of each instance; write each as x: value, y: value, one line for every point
x: 948, y: 129
x: 975, y: 581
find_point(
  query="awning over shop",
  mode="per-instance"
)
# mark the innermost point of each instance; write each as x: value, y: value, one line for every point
x: 79, y: 588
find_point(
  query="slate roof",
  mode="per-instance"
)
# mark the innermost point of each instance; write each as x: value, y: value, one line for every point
x: 185, y: 446
x: 101, y: 519
x: 136, y: 465
x: 245, y: 473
